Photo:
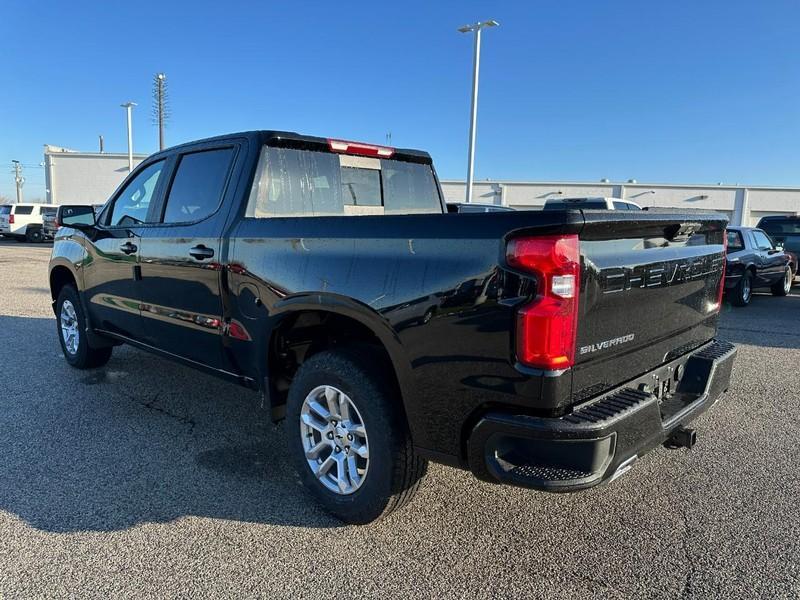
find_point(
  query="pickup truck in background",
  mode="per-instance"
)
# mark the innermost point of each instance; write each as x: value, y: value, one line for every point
x: 545, y: 349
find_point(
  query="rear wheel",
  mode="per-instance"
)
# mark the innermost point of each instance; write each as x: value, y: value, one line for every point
x: 784, y: 286
x: 34, y: 235
x: 72, y: 332
x: 348, y: 438
x: 743, y: 290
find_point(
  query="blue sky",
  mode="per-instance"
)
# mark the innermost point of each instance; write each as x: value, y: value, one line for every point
x: 684, y: 91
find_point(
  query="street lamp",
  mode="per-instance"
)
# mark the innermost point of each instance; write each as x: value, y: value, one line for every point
x: 129, y: 106
x: 476, y: 28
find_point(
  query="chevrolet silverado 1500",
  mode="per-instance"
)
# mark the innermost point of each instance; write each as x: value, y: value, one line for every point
x: 545, y: 349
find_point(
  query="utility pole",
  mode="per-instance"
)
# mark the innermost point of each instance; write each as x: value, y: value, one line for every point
x: 102, y: 146
x: 160, y: 105
x: 19, y: 180
x: 129, y: 106
x: 476, y: 59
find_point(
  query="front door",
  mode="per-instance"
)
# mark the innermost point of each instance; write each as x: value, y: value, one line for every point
x: 181, y: 258
x: 110, y: 269
x: 772, y: 262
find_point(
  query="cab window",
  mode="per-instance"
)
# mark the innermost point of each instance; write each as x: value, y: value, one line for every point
x: 196, y: 190
x: 132, y: 205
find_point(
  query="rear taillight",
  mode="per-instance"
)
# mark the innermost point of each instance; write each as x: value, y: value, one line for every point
x: 360, y: 149
x: 546, y: 328
x: 11, y: 219
x: 721, y: 289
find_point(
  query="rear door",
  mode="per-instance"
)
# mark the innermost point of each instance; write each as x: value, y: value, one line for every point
x: 182, y: 256
x: 649, y: 292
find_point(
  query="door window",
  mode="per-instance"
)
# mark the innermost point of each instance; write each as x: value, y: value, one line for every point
x: 762, y: 241
x: 196, y: 190
x: 132, y: 205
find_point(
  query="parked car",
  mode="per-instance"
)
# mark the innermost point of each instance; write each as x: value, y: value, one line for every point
x: 785, y: 232
x: 753, y: 262
x: 474, y: 207
x: 590, y: 203
x: 23, y: 221
x: 521, y: 345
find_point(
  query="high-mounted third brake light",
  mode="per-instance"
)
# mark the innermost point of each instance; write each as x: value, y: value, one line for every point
x: 547, y: 327
x: 359, y: 148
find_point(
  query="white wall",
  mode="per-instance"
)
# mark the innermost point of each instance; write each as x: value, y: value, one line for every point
x: 83, y: 178
x: 742, y: 205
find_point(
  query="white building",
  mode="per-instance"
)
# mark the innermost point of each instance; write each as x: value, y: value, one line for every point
x: 73, y: 177
x: 744, y: 205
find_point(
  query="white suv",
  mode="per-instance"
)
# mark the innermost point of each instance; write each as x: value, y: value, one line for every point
x: 23, y: 221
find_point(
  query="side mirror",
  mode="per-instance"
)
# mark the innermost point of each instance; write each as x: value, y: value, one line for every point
x: 79, y: 217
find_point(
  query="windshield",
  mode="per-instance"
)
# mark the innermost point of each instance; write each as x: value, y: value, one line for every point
x: 306, y: 183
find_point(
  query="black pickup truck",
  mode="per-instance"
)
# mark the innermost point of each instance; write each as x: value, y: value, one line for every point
x: 545, y: 349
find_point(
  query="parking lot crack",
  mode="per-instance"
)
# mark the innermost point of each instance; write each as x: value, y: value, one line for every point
x: 151, y: 405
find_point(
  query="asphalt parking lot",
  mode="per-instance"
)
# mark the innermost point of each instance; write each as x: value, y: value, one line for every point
x: 145, y: 478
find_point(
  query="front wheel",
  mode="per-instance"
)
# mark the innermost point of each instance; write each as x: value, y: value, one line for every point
x: 784, y: 286
x: 348, y: 438
x: 72, y: 332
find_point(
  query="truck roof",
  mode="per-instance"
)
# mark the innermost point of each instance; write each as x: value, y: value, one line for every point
x: 291, y: 139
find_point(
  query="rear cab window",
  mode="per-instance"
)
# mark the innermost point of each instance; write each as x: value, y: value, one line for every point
x: 783, y: 226
x: 5, y: 209
x: 308, y: 183
x: 735, y: 241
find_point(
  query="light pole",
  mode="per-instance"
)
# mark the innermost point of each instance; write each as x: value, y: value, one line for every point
x: 19, y: 180
x: 129, y: 106
x: 476, y: 28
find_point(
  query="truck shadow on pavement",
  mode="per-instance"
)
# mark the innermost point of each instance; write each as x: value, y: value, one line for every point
x: 141, y: 440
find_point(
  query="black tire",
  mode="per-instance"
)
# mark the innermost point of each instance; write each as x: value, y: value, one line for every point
x: 83, y: 356
x: 394, y: 471
x: 34, y: 235
x: 743, y: 291
x: 784, y: 286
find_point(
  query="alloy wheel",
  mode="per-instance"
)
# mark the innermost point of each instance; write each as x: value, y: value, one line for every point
x: 334, y: 439
x: 69, y: 327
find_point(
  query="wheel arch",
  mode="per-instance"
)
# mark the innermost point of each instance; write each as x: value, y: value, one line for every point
x: 305, y: 324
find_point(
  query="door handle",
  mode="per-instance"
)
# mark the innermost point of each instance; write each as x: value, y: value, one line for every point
x: 128, y: 248
x: 201, y: 252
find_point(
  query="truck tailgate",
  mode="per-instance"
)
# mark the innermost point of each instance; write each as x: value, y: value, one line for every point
x: 649, y: 293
